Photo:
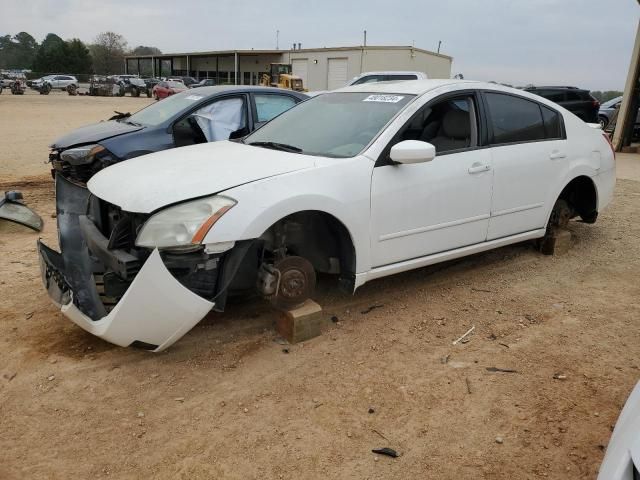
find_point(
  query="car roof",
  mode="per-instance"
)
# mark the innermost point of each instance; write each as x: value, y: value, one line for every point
x: 415, y: 87
x: 613, y: 101
x: 420, y: 87
x: 391, y: 72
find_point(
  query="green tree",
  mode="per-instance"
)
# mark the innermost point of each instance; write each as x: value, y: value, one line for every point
x: 108, y: 51
x: 79, y: 58
x: 142, y: 50
x: 17, y: 51
x: 52, y: 56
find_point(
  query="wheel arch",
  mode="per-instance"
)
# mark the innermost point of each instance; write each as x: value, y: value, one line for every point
x: 320, y: 236
x: 581, y: 193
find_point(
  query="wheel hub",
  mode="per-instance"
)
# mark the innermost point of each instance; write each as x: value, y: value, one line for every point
x: 297, y: 281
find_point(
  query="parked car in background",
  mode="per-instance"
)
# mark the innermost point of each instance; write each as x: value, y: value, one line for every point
x: 362, y: 183
x: 133, y: 85
x: 208, y: 114
x: 622, y: 460
x: 5, y: 80
x: 167, y: 88
x: 150, y: 82
x: 37, y: 83
x: 188, y: 81
x: 607, y: 109
x: 374, y: 77
x: 57, y: 82
x: 576, y: 100
x: 206, y: 82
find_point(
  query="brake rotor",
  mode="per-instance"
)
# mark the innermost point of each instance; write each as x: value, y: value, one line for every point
x: 297, y: 282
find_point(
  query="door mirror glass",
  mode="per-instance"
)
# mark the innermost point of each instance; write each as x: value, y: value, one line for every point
x: 412, y: 151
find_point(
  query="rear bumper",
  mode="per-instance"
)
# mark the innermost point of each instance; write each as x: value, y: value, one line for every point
x: 155, y: 311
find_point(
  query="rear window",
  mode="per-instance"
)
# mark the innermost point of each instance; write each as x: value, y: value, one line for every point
x: 573, y: 96
x: 553, y: 95
x: 401, y: 77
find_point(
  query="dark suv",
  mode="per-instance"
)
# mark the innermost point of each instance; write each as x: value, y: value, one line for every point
x: 577, y: 101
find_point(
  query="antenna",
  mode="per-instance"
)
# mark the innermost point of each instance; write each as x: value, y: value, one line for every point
x: 365, y: 37
x: 277, y: 39
x: 439, y: 43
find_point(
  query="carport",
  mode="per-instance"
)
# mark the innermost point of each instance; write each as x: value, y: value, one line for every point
x: 232, y: 67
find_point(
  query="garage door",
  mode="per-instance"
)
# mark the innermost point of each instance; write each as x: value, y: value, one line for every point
x: 299, y: 68
x: 337, y: 75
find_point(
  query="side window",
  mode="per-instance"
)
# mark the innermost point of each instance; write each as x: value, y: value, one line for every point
x: 450, y: 125
x: 552, y: 123
x: 370, y: 79
x: 514, y: 119
x: 269, y: 105
x: 400, y: 77
x: 220, y: 119
x: 573, y: 96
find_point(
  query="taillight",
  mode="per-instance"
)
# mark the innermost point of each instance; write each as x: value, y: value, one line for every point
x: 606, y: 137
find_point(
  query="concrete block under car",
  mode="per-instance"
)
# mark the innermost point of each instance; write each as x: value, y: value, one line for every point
x: 557, y: 244
x: 302, y: 323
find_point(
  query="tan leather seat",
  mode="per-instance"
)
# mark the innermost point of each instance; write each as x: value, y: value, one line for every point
x: 454, y: 133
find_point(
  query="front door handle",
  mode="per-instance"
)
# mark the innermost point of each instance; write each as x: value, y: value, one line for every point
x: 557, y: 155
x: 478, y: 167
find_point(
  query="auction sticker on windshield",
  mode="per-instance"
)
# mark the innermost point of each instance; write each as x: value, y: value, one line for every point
x: 383, y: 98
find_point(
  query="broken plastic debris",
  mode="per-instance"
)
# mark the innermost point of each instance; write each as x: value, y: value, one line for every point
x: 390, y: 452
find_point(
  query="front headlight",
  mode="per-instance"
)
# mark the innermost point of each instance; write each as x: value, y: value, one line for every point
x: 81, y: 155
x: 183, y: 224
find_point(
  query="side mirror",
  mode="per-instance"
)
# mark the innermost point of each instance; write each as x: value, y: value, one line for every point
x: 412, y: 151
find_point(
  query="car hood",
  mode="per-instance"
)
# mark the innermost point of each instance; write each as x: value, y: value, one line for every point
x: 153, y: 181
x: 94, y: 133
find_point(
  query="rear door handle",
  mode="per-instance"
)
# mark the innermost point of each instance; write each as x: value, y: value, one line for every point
x: 479, y: 168
x: 557, y: 155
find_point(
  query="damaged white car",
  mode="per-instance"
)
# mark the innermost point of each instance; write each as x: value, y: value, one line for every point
x: 362, y: 182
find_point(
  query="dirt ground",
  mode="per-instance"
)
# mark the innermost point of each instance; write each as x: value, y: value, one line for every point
x: 230, y: 401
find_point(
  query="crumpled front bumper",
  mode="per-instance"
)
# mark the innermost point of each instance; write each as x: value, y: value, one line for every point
x: 155, y: 311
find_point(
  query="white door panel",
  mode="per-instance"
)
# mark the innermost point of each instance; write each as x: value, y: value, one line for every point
x: 425, y: 208
x: 299, y: 68
x: 523, y: 176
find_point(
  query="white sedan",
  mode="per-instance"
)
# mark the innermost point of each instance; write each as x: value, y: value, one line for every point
x: 363, y: 182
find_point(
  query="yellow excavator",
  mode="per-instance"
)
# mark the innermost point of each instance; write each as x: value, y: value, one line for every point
x: 280, y: 76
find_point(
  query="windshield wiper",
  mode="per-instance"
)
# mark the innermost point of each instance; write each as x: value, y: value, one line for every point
x: 277, y: 146
x: 119, y: 115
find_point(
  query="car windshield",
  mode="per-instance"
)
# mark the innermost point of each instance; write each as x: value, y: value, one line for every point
x: 172, y: 84
x: 337, y: 124
x: 160, y: 112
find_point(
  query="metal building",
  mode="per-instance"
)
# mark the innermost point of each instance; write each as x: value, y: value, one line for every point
x: 320, y: 68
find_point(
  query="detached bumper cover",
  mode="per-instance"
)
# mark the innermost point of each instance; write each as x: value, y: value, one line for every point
x: 623, y: 452
x: 155, y: 311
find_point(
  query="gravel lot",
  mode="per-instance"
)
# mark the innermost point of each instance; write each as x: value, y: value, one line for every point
x: 227, y: 401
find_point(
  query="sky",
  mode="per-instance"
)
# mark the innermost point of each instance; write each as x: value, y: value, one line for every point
x: 585, y: 43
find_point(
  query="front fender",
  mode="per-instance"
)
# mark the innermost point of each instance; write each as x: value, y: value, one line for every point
x: 342, y: 192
